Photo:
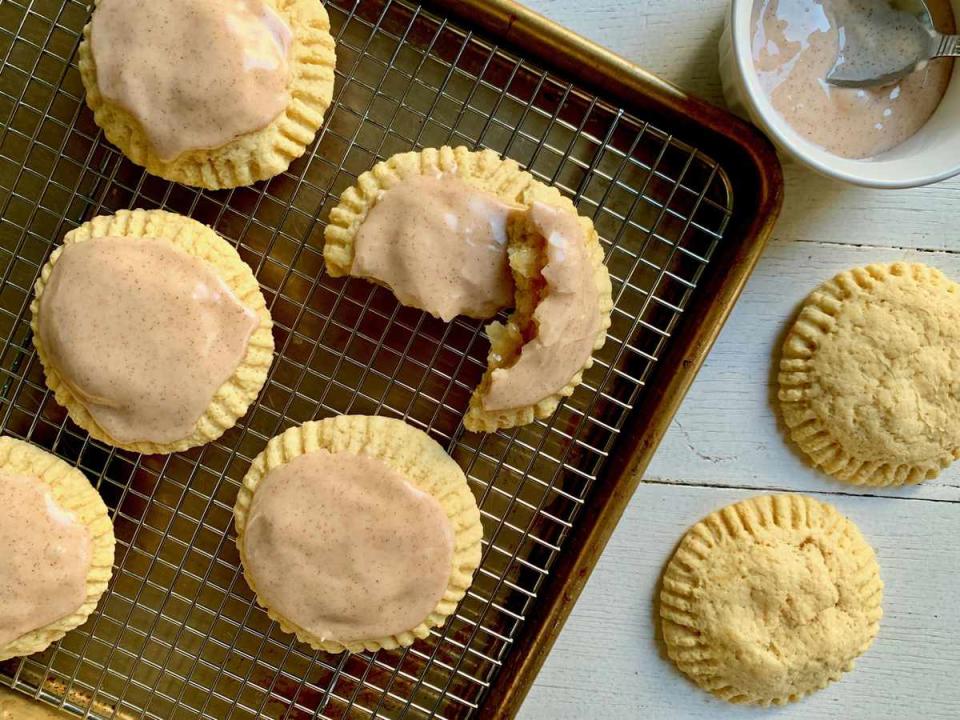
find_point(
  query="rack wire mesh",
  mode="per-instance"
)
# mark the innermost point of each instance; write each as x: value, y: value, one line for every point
x: 178, y: 634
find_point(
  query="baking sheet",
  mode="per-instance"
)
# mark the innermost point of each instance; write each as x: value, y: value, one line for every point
x: 178, y: 634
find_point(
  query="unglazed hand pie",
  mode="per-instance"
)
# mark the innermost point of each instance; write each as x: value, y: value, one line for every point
x: 209, y: 93
x: 357, y: 533
x: 455, y: 232
x: 870, y: 375
x: 57, y: 543
x: 770, y: 599
x: 152, y: 331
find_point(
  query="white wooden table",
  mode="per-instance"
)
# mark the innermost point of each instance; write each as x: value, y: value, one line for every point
x: 725, y: 443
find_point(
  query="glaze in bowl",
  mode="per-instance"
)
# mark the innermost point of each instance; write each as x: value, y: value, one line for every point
x: 932, y: 155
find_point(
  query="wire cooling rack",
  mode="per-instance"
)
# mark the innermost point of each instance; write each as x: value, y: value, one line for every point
x: 178, y: 634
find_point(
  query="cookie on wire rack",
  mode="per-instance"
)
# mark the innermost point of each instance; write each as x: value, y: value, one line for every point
x: 58, y: 547
x: 770, y: 599
x: 550, y: 257
x: 209, y: 93
x: 870, y: 375
x: 357, y: 532
x: 128, y: 388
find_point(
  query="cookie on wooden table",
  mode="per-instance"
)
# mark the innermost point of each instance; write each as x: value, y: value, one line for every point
x: 58, y: 544
x: 770, y: 599
x: 357, y: 533
x: 209, y: 93
x: 152, y: 331
x: 870, y: 375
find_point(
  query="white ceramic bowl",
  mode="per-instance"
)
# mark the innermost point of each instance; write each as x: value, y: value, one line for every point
x: 933, y: 154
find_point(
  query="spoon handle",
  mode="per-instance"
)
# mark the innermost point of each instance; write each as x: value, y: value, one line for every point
x: 947, y: 46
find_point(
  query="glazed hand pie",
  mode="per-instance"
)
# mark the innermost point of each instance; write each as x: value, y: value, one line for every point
x: 58, y: 548
x: 209, y: 93
x: 455, y: 232
x: 357, y: 533
x: 152, y: 332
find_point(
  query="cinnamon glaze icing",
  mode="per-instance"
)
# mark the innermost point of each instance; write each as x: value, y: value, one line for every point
x: 142, y: 333
x: 440, y: 245
x: 45, y: 558
x: 567, y: 319
x: 196, y: 74
x: 344, y: 547
x: 795, y: 45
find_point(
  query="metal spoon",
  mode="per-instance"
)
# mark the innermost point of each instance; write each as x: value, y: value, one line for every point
x: 882, y: 41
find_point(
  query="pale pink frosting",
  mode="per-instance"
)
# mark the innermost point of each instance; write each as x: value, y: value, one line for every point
x: 567, y: 319
x: 142, y: 333
x: 344, y: 547
x: 196, y: 74
x: 440, y: 245
x: 45, y: 558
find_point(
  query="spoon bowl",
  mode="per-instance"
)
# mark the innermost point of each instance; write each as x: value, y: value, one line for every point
x: 932, y: 155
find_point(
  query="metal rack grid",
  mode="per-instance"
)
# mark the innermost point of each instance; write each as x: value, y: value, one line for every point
x: 178, y: 634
